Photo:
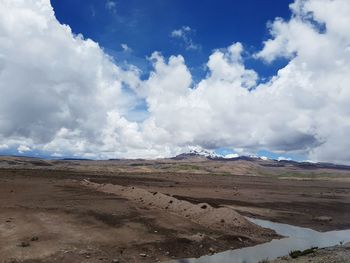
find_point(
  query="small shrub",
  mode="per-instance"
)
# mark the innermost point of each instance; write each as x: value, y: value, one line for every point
x: 298, y: 253
x: 308, y: 251
x: 295, y: 253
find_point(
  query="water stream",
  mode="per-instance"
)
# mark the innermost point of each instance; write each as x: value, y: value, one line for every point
x: 297, y: 238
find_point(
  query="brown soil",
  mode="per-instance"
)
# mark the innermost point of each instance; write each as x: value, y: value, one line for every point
x: 117, y: 215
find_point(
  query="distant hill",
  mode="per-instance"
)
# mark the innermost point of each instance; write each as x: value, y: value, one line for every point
x: 265, y: 162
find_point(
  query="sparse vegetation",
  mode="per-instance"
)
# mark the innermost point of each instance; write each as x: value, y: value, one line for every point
x: 299, y: 253
x: 187, y: 167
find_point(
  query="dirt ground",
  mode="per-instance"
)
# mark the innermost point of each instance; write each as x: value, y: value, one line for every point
x: 47, y: 214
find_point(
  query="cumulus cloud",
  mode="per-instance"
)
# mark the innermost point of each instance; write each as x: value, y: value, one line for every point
x: 185, y: 35
x: 62, y: 94
x: 316, y: 80
x: 302, y: 109
x: 58, y: 90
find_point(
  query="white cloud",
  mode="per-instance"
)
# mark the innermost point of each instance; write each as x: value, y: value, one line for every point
x: 62, y: 94
x: 303, y: 109
x: 111, y: 6
x: 23, y: 149
x: 57, y: 89
x: 181, y: 32
x: 185, y: 34
x: 126, y: 48
x: 316, y: 80
x: 203, y: 115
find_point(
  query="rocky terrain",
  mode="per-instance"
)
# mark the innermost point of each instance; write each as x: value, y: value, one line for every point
x: 336, y: 254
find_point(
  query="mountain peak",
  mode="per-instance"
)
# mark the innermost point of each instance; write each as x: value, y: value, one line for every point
x: 197, y: 153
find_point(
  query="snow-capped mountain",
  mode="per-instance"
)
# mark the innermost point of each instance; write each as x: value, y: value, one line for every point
x: 197, y: 153
x: 205, y: 153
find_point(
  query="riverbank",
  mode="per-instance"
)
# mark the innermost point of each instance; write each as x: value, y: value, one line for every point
x: 297, y: 241
x: 336, y: 254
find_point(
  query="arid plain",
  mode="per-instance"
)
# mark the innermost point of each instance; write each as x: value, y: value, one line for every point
x: 158, y: 210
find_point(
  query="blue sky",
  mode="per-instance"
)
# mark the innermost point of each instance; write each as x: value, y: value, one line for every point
x: 146, y: 26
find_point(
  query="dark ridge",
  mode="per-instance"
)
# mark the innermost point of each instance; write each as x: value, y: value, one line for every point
x: 141, y: 164
x: 75, y: 159
x: 138, y: 162
x: 184, y: 156
x: 21, y: 156
x: 271, y: 163
x: 40, y: 163
x: 307, y: 165
x: 274, y: 164
x: 328, y: 166
x: 284, y: 163
x: 240, y: 158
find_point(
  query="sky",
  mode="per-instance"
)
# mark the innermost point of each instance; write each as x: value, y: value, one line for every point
x: 146, y: 26
x: 148, y: 79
